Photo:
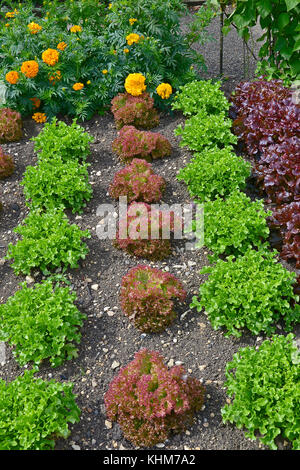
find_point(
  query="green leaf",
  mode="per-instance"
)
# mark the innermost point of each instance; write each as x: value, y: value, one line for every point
x: 290, y: 4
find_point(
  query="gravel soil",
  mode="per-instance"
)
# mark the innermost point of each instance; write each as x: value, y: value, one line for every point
x: 109, y: 341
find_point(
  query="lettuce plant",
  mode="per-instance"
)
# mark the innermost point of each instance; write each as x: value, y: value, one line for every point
x: 70, y: 142
x: 132, y: 143
x: 233, y: 225
x: 147, y: 297
x: 137, y: 111
x: 253, y: 291
x: 41, y: 323
x: 53, y: 183
x: 49, y: 242
x: 214, y: 172
x: 203, y: 95
x: 150, y: 401
x: 263, y: 384
x: 11, y: 126
x: 137, y: 182
x: 287, y: 219
x: 145, y: 232
x: 7, y: 165
x: 203, y: 131
x: 34, y: 412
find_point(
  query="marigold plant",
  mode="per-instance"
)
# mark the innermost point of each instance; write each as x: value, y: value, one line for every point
x: 10, y: 126
x: 137, y: 182
x: 30, y: 68
x: 133, y: 143
x: 135, y: 84
x: 147, y: 297
x: 134, y: 110
x: 150, y: 401
x: 146, y: 232
x: 7, y: 165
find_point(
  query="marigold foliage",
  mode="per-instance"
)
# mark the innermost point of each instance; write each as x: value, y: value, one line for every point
x: 133, y: 143
x: 263, y: 385
x: 34, y: 412
x: 41, y: 323
x: 7, y: 165
x: 150, y: 402
x: 134, y: 110
x: 10, y: 126
x: 137, y: 182
x: 147, y: 297
x: 146, y: 233
x: 253, y: 291
x: 49, y: 242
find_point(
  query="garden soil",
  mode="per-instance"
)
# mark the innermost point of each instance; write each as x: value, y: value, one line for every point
x: 109, y: 341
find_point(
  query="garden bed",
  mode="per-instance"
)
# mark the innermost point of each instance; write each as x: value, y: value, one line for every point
x: 109, y: 340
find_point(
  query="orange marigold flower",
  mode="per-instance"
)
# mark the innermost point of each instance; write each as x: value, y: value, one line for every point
x: 78, y: 86
x: 36, y: 102
x: 11, y: 14
x: 30, y: 68
x: 76, y: 29
x: 50, y: 56
x: 39, y: 117
x: 12, y: 77
x: 34, y: 28
x: 126, y: 50
x: 55, y: 77
x: 135, y: 84
x: 132, y: 38
x: 61, y: 46
x: 104, y: 71
x: 164, y: 90
x: 7, y: 25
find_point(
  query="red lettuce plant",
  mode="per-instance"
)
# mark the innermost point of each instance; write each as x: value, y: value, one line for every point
x: 135, y: 110
x: 287, y: 220
x: 146, y: 297
x: 7, y: 165
x: 150, y: 401
x: 266, y: 114
x: 278, y: 171
x: 138, y: 182
x: 132, y: 143
x: 145, y: 231
x: 10, y: 125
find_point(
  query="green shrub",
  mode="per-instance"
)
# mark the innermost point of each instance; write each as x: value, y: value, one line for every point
x: 233, y: 225
x: 53, y: 183
x: 203, y: 95
x: 70, y: 142
x: 49, y: 242
x: 33, y: 412
x: 214, y: 172
x: 264, y: 386
x: 41, y: 323
x: 204, y: 131
x: 253, y: 291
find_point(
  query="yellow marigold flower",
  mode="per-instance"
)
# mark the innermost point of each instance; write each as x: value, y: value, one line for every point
x: 30, y: 68
x: 11, y: 14
x: 50, y: 56
x: 39, y: 117
x: 88, y: 82
x: 126, y: 50
x: 109, y: 5
x: 12, y: 77
x: 131, y: 38
x: 76, y: 29
x: 104, y: 71
x: 55, y: 77
x: 135, y: 84
x: 61, y: 46
x: 34, y: 28
x: 132, y: 21
x: 78, y: 86
x: 7, y: 25
x: 164, y: 90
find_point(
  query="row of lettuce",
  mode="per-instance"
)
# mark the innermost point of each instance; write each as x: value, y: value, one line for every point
x: 247, y: 289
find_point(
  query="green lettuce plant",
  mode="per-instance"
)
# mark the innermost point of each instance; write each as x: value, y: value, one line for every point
x: 34, y: 412
x: 253, y: 291
x: 41, y: 323
x: 48, y: 242
x: 263, y: 384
